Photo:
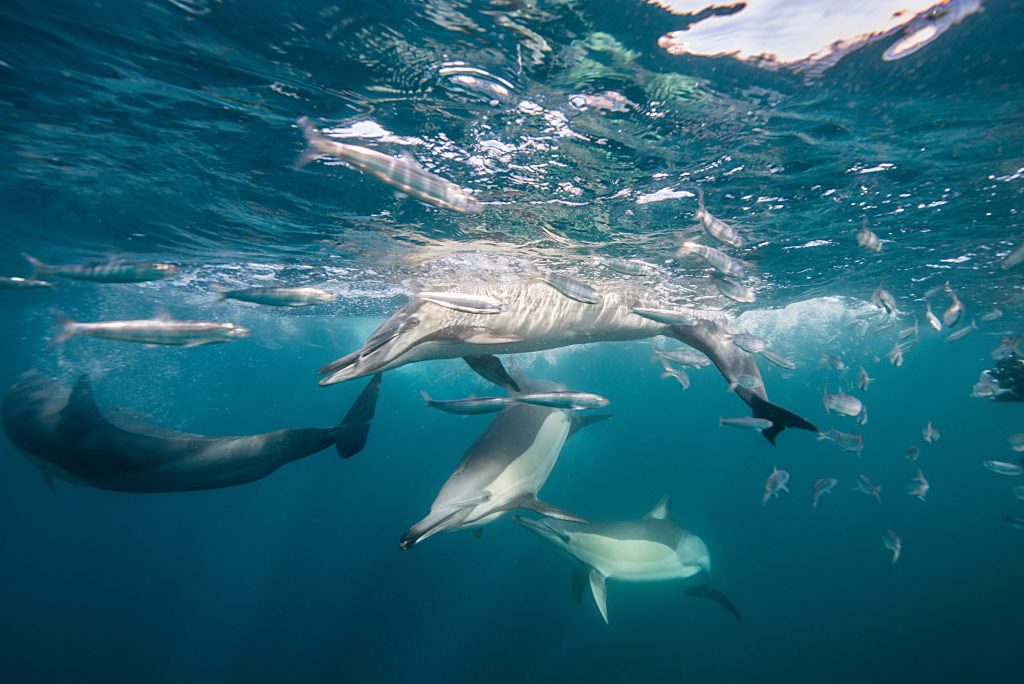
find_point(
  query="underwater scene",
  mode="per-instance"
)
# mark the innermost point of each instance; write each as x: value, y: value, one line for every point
x: 512, y: 341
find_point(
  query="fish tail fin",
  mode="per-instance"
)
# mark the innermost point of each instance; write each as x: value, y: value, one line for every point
x: 428, y: 401
x: 38, y: 267
x: 220, y: 292
x: 67, y: 328
x: 780, y: 418
x: 350, y: 435
x: 709, y: 592
x: 315, y: 142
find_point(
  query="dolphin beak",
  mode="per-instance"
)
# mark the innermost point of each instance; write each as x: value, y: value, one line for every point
x: 542, y: 529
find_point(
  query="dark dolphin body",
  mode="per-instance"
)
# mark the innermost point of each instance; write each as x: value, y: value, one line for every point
x: 68, y: 437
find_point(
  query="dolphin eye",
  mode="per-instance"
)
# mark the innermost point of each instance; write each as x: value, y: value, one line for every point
x: 413, y: 322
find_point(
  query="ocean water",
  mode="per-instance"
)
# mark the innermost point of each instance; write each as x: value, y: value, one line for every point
x: 166, y: 131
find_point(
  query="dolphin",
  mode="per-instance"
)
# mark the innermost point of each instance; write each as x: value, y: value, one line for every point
x: 67, y: 436
x: 648, y: 550
x: 504, y: 469
x: 536, y: 318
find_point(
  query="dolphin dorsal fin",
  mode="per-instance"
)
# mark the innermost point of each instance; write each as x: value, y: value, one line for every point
x: 662, y: 510
x: 82, y: 402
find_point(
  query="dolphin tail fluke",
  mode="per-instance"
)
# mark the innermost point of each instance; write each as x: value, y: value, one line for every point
x: 534, y: 504
x: 350, y: 435
x: 708, y: 591
x: 780, y: 418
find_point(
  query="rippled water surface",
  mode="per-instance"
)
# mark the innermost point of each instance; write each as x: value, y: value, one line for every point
x: 167, y: 131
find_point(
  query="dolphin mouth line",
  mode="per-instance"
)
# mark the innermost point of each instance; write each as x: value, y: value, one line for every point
x: 338, y: 371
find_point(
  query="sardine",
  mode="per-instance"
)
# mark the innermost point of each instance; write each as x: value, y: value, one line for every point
x: 895, y: 356
x: 833, y: 360
x: 893, y: 543
x: 930, y: 434
x: 716, y: 228
x: 864, y: 484
x: 666, y: 316
x: 734, y: 290
x: 468, y: 407
x: 843, y: 404
x: 862, y: 417
x: 1018, y: 492
x: 778, y: 359
x: 1014, y: 258
x: 403, y: 173
x: 746, y: 423
x: 570, y: 401
x: 572, y: 288
x: 747, y: 342
x: 883, y: 298
x: 775, y: 483
x: 684, y: 357
x: 279, y: 296
x: 823, y: 486
x: 867, y: 239
x: 162, y: 331
x: 1016, y: 441
x: 678, y: 373
x: 722, y: 262
x: 16, y: 283
x: 912, y: 453
x: 1009, y: 344
x: 986, y: 386
x: 864, y: 380
x: 113, y: 271
x: 933, y: 320
x: 995, y: 314
x: 844, y: 440
x: 631, y: 267
x: 962, y: 332
x: 917, y: 486
x: 908, y: 332
x: 467, y: 303
x: 955, y: 311
x: 750, y: 382
x: 1004, y: 468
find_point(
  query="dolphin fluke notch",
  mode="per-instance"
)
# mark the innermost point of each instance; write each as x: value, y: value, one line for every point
x: 350, y: 435
x: 708, y: 591
x: 780, y: 418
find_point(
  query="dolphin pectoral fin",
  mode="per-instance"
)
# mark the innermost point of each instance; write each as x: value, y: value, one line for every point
x: 49, y: 482
x: 580, y: 422
x: 479, y: 335
x: 600, y: 592
x: 478, y: 532
x: 350, y: 435
x: 780, y: 417
x: 532, y: 503
x: 708, y: 591
x: 491, y: 369
x: 579, y: 580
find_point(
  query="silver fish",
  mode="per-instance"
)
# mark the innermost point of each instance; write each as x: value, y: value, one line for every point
x: 862, y: 417
x: 932, y: 291
x: 734, y: 290
x: 403, y: 173
x: 833, y: 360
x: 912, y: 453
x: 1009, y: 344
x: 955, y: 311
x: 908, y: 332
x: 1016, y: 441
x: 16, y: 283
x: 113, y: 271
x: 867, y: 239
x: 722, y: 262
x: 746, y: 423
x: 678, y: 373
x: 995, y: 314
x: 467, y: 303
x: 917, y: 486
x: 823, y: 486
x: 1014, y: 258
x: 778, y: 359
x: 864, y: 484
x: 716, y: 228
x: 750, y: 382
x: 1018, y: 492
x: 491, y: 91
x: 933, y: 320
x: 747, y: 342
x: 684, y: 357
x: 930, y: 434
x: 883, y: 298
x: 864, y: 380
x: 572, y: 288
x: 666, y: 316
x: 279, y: 296
x: 1004, y: 468
x: 162, y: 331
x: 468, y: 407
x: 572, y: 401
x: 986, y: 386
x: 845, y: 441
x: 892, y: 542
x: 631, y: 267
x: 843, y: 404
x: 895, y: 356
x: 775, y: 483
x: 888, y: 325
x: 962, y: 332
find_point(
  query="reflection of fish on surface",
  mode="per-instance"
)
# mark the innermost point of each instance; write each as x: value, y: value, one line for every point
x: 538, y: 318
x: 651, y: 549
x: 68, y: 436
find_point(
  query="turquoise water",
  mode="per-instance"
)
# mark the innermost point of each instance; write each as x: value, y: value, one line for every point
x: 166, y: 131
